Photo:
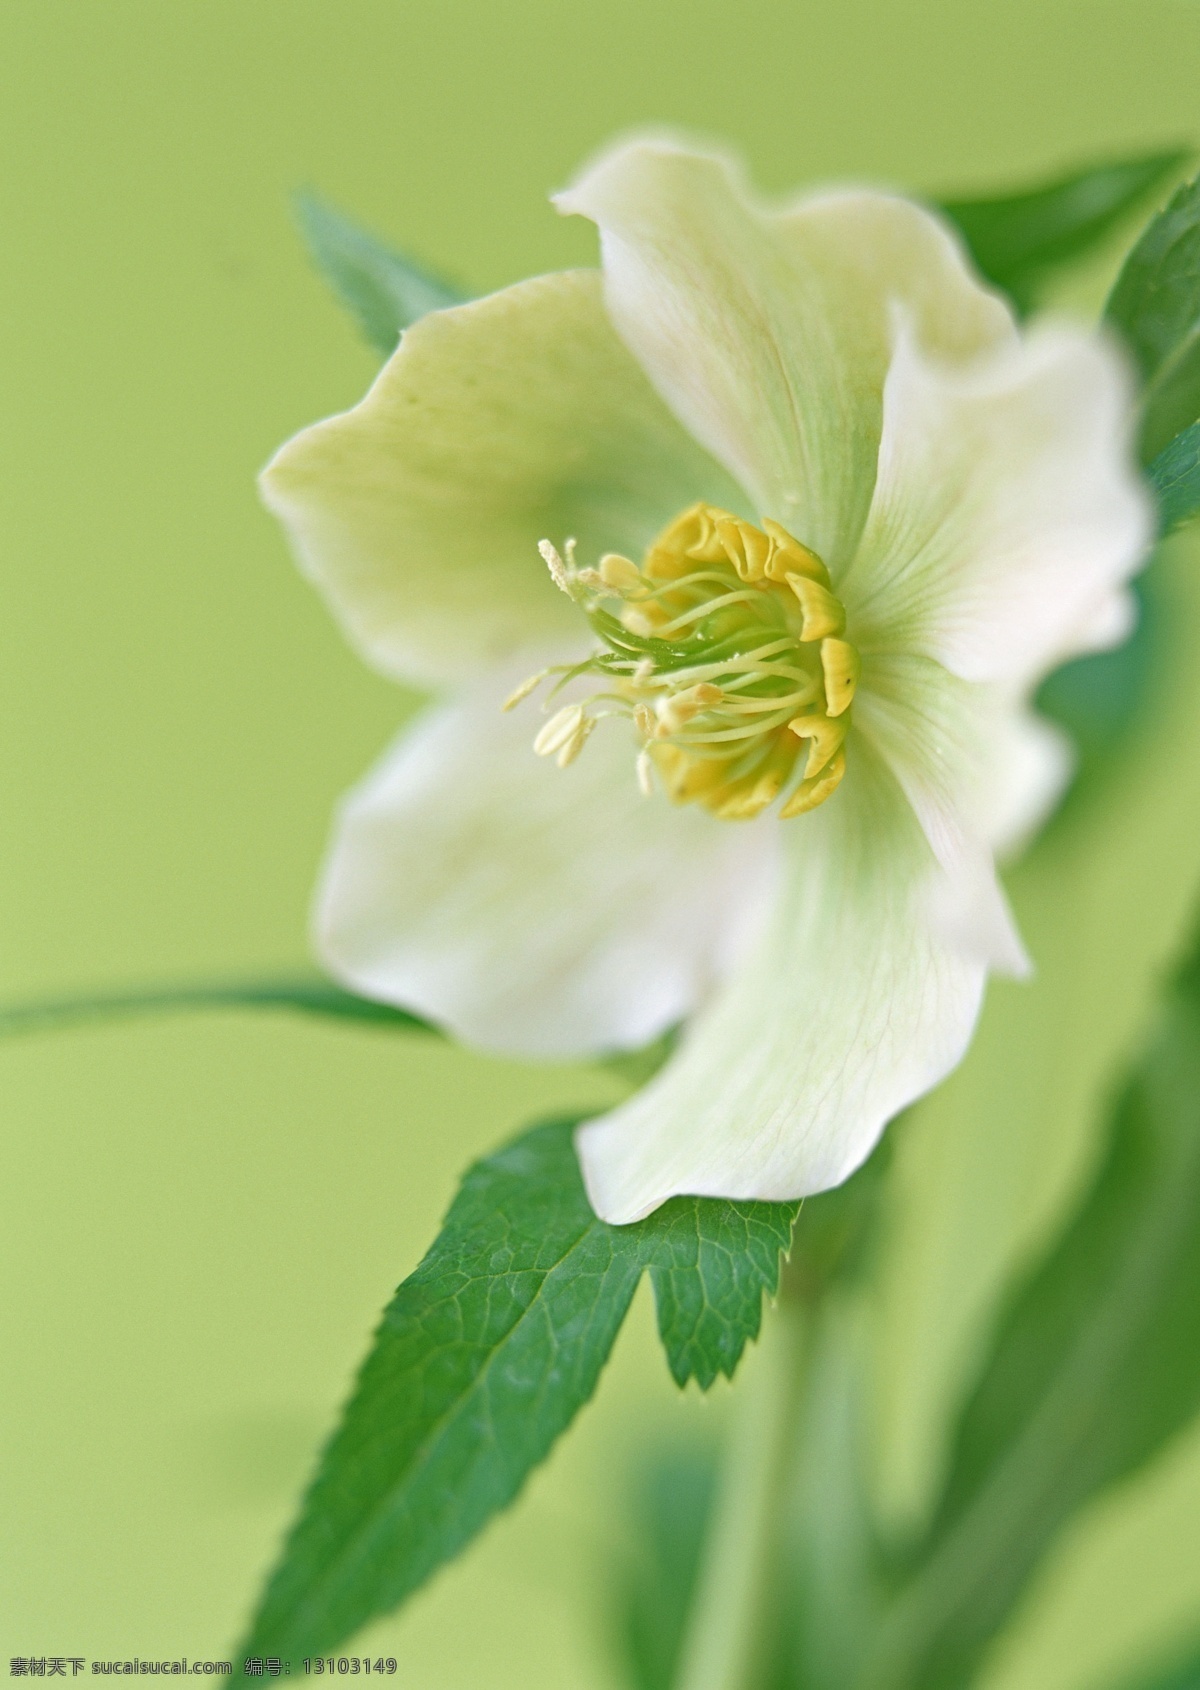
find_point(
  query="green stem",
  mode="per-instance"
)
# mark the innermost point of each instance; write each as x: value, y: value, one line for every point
x: 306, y: 994
x: 723, y: 1635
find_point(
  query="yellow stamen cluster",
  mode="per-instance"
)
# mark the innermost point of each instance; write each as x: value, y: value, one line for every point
x: 726, y: 646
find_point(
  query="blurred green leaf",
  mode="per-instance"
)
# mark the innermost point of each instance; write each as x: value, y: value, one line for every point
x: 1175, y: 476
x: 823, y: 1536
x: 1182, y: 1674
x: 834, y: 1232
x: 1155, y: 307
x: 484, y: 1357
x: 1100, y: 698
x: 635, y: 1067
x: 1153, y: 301
x: 381, y: 288
x: 1019, y: 240
x: 306, y: 994
x: 1094, y: 1366
x: 673, y: 1503
x: 1172, y: 404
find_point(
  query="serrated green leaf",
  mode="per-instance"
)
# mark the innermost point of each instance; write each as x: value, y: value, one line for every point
x: 1019, y: 240
x: 710, y: 1262
x: 381, y: 288
x: 1095, y: 1365
x: 1155, y: 307
x: 1175, y: 476
x: 305, y: 994
x: 483, y: 1358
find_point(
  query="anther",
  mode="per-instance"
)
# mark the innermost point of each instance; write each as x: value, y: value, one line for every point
x: 556, y: 566
x: 559, y: 730
x: 644, y: 621
x: 523, y: 691
x: 680, y: 708
x: 575, y: 743
x: 619, y: 573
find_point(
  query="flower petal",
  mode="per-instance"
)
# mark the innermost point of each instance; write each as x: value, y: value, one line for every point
x: 954, y: 745
x: 849, y: 1005
x: 975, y: 777
x: 1007, y: 515
x: 770, y: 332
x: 496, y: 424
x: 530, y: 909
x: 1032, y: 764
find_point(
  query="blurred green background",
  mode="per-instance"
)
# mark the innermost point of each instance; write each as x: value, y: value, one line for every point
x: 204, y: 1217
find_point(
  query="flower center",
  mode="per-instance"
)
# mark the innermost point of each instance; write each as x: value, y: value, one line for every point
x: 726, y: 647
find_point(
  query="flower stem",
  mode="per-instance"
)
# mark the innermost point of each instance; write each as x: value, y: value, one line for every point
x: 723, y: 1633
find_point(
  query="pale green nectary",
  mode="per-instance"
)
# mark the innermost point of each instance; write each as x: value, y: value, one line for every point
x: 818, y: 518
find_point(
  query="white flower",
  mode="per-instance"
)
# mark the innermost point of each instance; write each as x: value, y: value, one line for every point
x: 908, y: 511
